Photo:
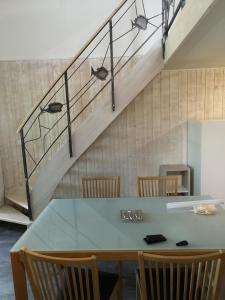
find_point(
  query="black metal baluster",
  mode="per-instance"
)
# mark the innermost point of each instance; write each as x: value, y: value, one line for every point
x: 169, y: 23
x: 166, y: 20
x: 68, y: 113
x: 163, y: 26
x: 112, y: 65
x: 26, y: 174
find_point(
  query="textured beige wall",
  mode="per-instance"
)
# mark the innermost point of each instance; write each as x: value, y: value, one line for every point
x: 1, y: 185
x: 152, y: 130
x: 22, y: 84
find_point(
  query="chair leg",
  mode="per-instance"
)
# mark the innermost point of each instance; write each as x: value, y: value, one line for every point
x: 138, y: 289
x: 116, y: 292
x: 120, y: 272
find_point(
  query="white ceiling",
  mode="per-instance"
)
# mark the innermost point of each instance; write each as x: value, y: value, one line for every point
x: 205, y: 45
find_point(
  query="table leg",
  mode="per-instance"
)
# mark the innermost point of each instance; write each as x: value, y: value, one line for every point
x: 19, y: 277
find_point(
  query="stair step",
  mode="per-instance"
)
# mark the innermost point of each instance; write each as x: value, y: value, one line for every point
x: 10, y: 214
x: 17, y: 197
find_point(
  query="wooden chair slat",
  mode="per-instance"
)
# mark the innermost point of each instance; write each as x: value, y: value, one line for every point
x: 87, y: 284
x: 56, y: 279
x: 62, y: 278
x: 198, y: 280
x: 204, y: 281
x: 74, y: 282
x: 185, y: 282
x: 191, y: 276
x: 154, y: 186
x: 101, y: 187
x: 69, y: 289
x: 42, y: 281
x: 171, y: 281
x: 52, y: 288
x: 178, y: 281
x: 81, y: 283
x: 193, y: 266
x: 60, y: 272
x: 157, y: 280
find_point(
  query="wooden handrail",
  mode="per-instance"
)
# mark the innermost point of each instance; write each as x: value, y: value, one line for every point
x: 72, y: 61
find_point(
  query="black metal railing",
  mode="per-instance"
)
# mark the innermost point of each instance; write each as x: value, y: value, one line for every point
x: 170, y: 9
x: 125, y: 36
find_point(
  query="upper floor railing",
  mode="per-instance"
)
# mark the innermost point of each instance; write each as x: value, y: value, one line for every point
x: 170, y: 9
x: 89, y: 78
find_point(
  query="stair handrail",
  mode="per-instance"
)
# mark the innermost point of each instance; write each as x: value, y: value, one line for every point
x: 94, y: 35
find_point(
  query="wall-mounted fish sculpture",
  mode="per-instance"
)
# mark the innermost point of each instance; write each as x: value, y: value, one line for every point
x: 140, y: 22
x: 101, y: 73
x: 53, y: 108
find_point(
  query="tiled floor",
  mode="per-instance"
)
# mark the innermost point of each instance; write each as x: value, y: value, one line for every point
x: 9, y: 234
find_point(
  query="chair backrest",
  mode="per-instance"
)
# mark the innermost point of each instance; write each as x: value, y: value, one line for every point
x: 181, y: 277
x: 153, y: 186
x: 101, y: 187
x: 61, y: 278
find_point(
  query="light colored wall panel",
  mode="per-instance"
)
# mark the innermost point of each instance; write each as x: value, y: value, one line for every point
x: 1, y: 185
x: 152, y: 130
x: 22, y: 84
x: 185, y: 22
x: 209, y: 101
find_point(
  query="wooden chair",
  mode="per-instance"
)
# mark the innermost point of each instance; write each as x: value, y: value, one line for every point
x: 56, y: 278
x: 180, y: 276
x: 101, y: 187
x: 153, y: 186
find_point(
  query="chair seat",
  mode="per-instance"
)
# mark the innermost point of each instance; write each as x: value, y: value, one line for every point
x: 107, y: 283
x: 166, y: 291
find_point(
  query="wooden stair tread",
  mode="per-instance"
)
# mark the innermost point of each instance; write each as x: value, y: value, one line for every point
x: 10, y: 214
x: 17, y: 196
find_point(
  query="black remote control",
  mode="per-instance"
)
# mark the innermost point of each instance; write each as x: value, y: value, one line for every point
x: 182, y: 243
x: 155, y: 238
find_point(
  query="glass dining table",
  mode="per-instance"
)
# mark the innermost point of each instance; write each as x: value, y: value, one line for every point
x: 80, y: 227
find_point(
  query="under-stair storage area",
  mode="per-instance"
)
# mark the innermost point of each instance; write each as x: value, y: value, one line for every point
x: 13, y: 205
x: 183, y: 176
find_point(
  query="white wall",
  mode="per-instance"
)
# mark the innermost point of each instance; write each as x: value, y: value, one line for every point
x: 206, y: 148
x: 42, y: 29
x: 213, y: 159
x: 33, y: 29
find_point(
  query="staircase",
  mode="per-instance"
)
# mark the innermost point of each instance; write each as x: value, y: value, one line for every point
x: 15, y: 209
x: 86, y: 98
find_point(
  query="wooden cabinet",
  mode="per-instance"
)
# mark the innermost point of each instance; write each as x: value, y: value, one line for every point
x: 183, y: 174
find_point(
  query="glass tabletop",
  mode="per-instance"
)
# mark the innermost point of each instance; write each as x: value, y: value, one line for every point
x: 95, y: 224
